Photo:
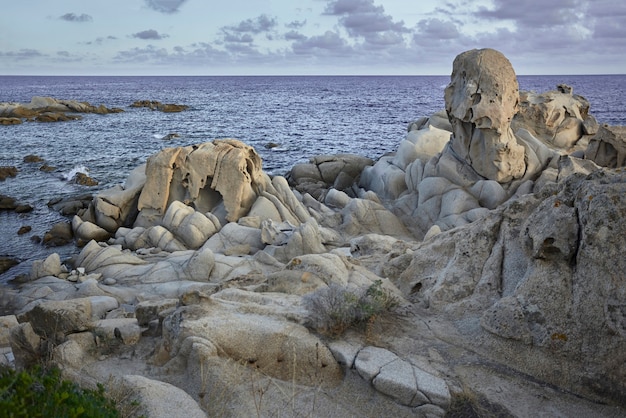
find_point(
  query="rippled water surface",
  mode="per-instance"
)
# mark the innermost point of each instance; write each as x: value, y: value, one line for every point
x: 306, y: 116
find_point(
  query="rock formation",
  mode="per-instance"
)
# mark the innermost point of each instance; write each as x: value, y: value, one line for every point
x: 501, y: 250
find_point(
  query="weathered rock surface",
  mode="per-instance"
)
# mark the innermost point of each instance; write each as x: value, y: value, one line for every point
x: 513, y: 300
x: 608, y: 147
x: 323, y: 172
x: 559, y: 118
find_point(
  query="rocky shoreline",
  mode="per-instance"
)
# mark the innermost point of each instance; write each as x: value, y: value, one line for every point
x: 496, y: 228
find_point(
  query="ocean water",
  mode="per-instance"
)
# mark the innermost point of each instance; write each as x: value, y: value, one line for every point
x: 306, y: 116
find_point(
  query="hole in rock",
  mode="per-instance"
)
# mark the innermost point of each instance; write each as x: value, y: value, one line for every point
x: 416, y: 288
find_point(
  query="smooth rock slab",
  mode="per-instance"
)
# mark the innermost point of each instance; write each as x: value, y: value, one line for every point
x: 397, y: 380
x: 407, y: 384
x: 370, y: 360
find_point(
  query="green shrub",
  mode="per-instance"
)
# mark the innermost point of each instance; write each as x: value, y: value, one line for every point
x: 42, y: 393
x: 334, y: 309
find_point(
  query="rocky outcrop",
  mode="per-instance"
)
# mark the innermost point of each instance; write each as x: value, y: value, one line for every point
x: 48, y: 109
x: 440, y: 180
x: 500, y: 251
x: 224, y: 172
x: 525, y: 271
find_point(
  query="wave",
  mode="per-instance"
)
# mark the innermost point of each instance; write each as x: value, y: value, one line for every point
x: 74, y: 171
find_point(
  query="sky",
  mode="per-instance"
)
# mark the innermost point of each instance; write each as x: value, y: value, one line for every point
x: 307, y: 37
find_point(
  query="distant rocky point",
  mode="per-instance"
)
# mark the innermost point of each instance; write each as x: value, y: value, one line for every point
x: 48, y: 109
x: 163, y: 107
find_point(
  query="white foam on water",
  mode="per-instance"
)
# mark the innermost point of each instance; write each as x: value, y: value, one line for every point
x: 72, y: 173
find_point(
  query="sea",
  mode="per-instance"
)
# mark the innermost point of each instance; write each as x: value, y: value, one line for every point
x: 303, y: 115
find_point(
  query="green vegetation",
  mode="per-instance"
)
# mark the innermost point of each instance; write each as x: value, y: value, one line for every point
x: 42, y: 393
x: 334, y: 309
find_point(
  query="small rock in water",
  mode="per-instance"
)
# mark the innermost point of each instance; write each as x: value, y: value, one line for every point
x: 271, y: 145
x: 47, y: 168
x: 6, y: 263
x: 33, y: 159
x: 23, y: 209
x: 84, y: 180
x: 7, y: 172
x: 24, y: 230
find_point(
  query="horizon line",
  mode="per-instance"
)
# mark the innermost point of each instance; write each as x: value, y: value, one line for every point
x: 293, y: 75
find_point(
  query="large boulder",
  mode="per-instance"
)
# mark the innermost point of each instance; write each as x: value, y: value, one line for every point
x: 481, y: 100
x: 56, y: 319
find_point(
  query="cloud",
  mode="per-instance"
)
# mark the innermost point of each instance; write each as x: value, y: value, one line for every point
x: 260, y: 24
x: 147, y: 54
x: 437, y: 29
x: 149, y: 34
x: 363, y: 19
x: 330, y: 42
x: 296, y: 24
x: 293, y: 35
x: 536, y: 13
x: 22, y: 54
x: 73, y: 17
x: 238, y: 38
x: 100, y: 40
x: 342, y: 7
x: 165, y: 6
